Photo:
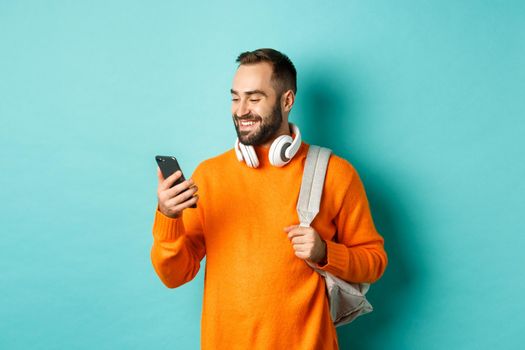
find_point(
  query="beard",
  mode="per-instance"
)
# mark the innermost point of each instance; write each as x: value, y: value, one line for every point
x: 267, y: 128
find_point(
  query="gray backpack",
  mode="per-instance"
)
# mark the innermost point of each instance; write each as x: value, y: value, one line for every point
x: 347, y: 300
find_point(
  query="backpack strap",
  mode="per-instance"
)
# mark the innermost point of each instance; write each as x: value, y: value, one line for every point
x: 347, y: 300
x: 312, y: 184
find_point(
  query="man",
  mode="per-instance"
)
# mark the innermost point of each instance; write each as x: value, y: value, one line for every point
x: 259, y: 292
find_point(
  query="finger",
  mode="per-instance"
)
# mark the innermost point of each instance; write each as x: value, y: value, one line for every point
x: 288, y: 228
x: 300, y: 240
x: 302, y: 255
x: 300, y: 248
x: 177, y: 189
x: 298, y: 232
x: 186, y: 204
x: 181, y: 197
x: 159, y: 175
x: 170, y: 180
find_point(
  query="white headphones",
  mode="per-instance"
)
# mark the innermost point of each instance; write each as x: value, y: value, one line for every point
x: 282, y: 150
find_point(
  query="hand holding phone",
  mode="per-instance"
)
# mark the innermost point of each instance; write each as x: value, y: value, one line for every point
x: 174, y: 192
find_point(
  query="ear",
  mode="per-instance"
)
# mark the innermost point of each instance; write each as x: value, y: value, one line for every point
x: 287, y: 100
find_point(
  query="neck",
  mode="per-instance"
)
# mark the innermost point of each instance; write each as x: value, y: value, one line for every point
x: 283, y: 130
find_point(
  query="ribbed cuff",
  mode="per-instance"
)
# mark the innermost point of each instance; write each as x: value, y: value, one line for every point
x: 337, y: 256
x: 166, y: 228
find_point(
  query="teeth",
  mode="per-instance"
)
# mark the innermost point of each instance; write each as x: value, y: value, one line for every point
x: 247, y: 123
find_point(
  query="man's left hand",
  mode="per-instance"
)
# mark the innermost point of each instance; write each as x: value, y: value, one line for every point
x: 307, y: 243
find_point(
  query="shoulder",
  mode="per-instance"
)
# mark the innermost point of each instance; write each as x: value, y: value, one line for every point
x: 340, y: 169
x: 341, y: 176
x: 345, y: 181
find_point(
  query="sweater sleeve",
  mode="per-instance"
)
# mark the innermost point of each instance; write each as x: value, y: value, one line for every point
x: 357, y: 252
x: 178, y: 245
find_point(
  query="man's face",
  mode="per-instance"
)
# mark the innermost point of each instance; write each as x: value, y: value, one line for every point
x: 256, y: 109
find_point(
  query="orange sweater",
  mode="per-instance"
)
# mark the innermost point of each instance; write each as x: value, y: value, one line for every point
x: 257, y: 293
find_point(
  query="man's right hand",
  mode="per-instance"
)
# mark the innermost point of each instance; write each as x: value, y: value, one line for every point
x: 172, y: 201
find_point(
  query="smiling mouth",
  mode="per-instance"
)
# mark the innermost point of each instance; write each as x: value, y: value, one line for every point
x: 247, y: 124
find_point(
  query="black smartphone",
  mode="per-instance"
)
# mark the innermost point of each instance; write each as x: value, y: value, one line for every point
x: 169, y: 165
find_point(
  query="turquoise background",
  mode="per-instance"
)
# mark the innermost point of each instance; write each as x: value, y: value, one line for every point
x: 425, y: 98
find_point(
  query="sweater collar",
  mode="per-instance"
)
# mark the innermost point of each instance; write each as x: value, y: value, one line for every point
x: 263, y: 151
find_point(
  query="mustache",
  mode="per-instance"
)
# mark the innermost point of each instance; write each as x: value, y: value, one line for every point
x: 249, y: 117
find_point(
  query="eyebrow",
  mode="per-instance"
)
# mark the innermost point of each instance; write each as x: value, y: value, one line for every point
x: 251, y: 92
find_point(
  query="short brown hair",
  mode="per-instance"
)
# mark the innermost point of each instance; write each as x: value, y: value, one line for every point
x: 284, y: 74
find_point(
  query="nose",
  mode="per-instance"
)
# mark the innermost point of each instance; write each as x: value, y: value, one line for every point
x: 242, y: 108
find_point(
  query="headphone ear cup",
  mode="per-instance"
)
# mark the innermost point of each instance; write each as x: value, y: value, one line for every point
x: 291, y: 151
x: 277, y: 153
x: 238, y: 152
x: 249, y: 155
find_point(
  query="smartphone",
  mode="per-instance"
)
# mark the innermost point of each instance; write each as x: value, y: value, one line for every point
x: 169, y: 165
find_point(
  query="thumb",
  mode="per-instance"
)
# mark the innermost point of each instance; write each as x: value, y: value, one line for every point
x: 289, y: 228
